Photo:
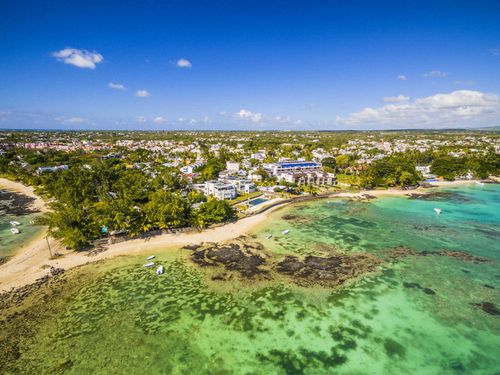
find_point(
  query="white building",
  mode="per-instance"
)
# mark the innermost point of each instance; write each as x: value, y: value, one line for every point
x: 232, y: 167
x: 220, y: 190
x: 424, y: 169
x: 189, y: 169
x: 292, y: 167
x: 243, y: 186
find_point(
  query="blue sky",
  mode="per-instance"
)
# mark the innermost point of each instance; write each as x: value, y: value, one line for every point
x: 249, y: 64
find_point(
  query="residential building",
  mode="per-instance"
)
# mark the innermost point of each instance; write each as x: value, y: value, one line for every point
x: 220, y: 190
x: 292, y: 167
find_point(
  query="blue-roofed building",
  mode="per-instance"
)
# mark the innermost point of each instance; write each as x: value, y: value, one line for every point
x: 293, y: 167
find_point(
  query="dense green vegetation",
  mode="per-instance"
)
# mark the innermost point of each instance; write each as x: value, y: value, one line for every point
x: 92, y: 200
x: 396, y: 170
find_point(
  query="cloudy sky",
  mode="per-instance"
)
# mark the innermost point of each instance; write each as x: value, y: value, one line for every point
x: 251, y: 65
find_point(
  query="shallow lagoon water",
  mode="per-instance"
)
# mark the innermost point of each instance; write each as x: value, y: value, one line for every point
x: 9, y: 242
x: 122, y: 318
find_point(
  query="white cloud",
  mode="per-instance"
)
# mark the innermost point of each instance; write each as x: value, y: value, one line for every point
x: 495, y: 51
x: 207, y: 120
x: 181, y: 119
x: 183, y: 63
x: 459, y: 108
x: 116, y: 86
x: 436, y: 74
x: 142, y: 93
x: 245, y: 114
x: 159, y: 120
x: 402, y: 77
x: 141, y: 119
x: 396, y: 99
x: 80, y: 58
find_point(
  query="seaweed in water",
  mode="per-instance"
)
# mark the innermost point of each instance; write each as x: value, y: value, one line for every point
x: 488, y: 307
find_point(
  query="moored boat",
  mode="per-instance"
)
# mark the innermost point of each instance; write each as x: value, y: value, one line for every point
x: 149, y: 264
x: 14, y: 230
x: 15, y: 223
x: 286, y: 231
x: 150, y: 257
x: 160, y: 270
x: 437, y: 210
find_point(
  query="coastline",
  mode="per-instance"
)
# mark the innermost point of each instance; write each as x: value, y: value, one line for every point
x: 28, y: 266
x: 38, y: 203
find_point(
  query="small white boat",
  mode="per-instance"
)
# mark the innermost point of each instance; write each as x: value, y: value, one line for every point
x: 160, y: 270
x: 437, y: 210
x: 150, y: 257
x: 268, y: 236
x: 480, y: 183
x: 15, y: 223
x: 286, y: 231
x: 14, y: 230
x: 149, y: 264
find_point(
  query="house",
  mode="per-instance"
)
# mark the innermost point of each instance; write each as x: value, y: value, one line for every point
x: 189, y: 169
x: 243, y: 186
x: 424, y: 169
x: 220, y: 190
x: 51, y: 169
x: 232, y: 167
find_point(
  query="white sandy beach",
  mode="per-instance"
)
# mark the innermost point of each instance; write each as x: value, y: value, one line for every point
x: 34, y: 261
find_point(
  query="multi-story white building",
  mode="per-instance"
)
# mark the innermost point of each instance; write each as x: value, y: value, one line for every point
x: 308, y: 178
x: 219, y: 190
x: 292, y: 167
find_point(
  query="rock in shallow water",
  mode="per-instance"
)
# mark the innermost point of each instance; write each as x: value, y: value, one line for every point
x: 488, y: 307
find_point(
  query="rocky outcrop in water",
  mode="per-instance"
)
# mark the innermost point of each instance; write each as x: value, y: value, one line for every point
x: 329, y: 271
x: 248, y: 260
x: 402, y: 251
x: 419, y: 287
x: 233, y: 256
x: 488, y: 307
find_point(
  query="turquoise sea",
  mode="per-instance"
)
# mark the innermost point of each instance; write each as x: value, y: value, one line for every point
x: 415, y: 315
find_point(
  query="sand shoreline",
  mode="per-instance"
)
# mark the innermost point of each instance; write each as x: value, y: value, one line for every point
x: 26, y: 267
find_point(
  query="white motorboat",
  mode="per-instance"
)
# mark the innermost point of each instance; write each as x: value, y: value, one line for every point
x: 286, y: 231
x: 148, y: 265
x: 160, y: 270
x: 268, y: 236
x: 479, y: 183
x: 150, y: 257
x: 15, y: 223
x: 14, y: 230
x: 437, y: 210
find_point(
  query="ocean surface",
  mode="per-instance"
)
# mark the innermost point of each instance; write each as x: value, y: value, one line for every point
x: 415, y: 315
x: 14, y: 207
